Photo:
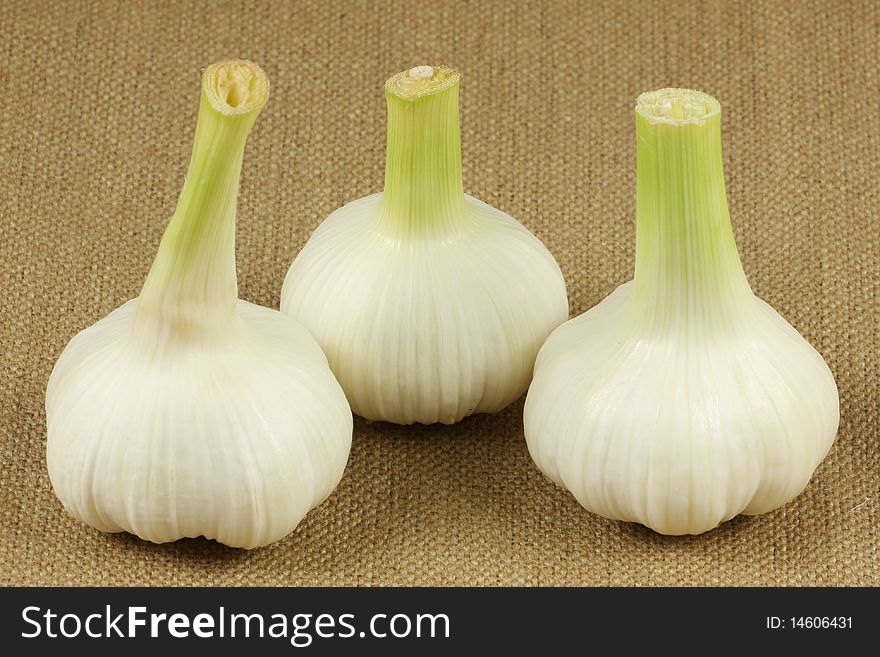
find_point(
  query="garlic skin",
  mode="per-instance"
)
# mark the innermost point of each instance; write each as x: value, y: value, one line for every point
x: 429, y: 304
x: 235, y: 440
x: 682, y: 399
x: 187, y: 412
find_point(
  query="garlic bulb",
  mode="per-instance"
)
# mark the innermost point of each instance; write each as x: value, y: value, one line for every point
x: 682, y: 399
x: 429, y: 304
x: 188, y: 412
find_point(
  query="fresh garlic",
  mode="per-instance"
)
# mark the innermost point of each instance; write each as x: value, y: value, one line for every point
x: 188, y: 412
x: 682, y: 399
x: 429, y: 304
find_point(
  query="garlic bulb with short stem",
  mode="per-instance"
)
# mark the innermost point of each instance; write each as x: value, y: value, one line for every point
x: 188, y: 412
x: 682, y: 399
x: 429, y: 304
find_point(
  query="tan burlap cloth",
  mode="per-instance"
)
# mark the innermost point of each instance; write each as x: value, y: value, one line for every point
x: 98, y: 104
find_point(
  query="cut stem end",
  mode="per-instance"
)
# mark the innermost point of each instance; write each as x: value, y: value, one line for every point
x: 677, y: 106
x: 235, y: 87
x: 421, y: 81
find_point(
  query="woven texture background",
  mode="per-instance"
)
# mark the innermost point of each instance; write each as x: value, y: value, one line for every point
x: 99, y: 105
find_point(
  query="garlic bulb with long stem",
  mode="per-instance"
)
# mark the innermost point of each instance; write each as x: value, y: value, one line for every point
x: 682, y: 399
x: 429, y: 304
x: 188, y: 412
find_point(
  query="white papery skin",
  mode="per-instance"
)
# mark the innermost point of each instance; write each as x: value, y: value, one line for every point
x: 188, y: 412
x: 429, y: 304
x: 234, y: 440
x: 682, y: 399
x: 427, y: 330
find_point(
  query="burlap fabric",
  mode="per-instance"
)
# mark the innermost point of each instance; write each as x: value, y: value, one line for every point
x: 99, y: 104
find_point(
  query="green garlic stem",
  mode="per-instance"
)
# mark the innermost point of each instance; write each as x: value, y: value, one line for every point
x: 192, y: 284
x: 423, y: 190
x: 687, y: 265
